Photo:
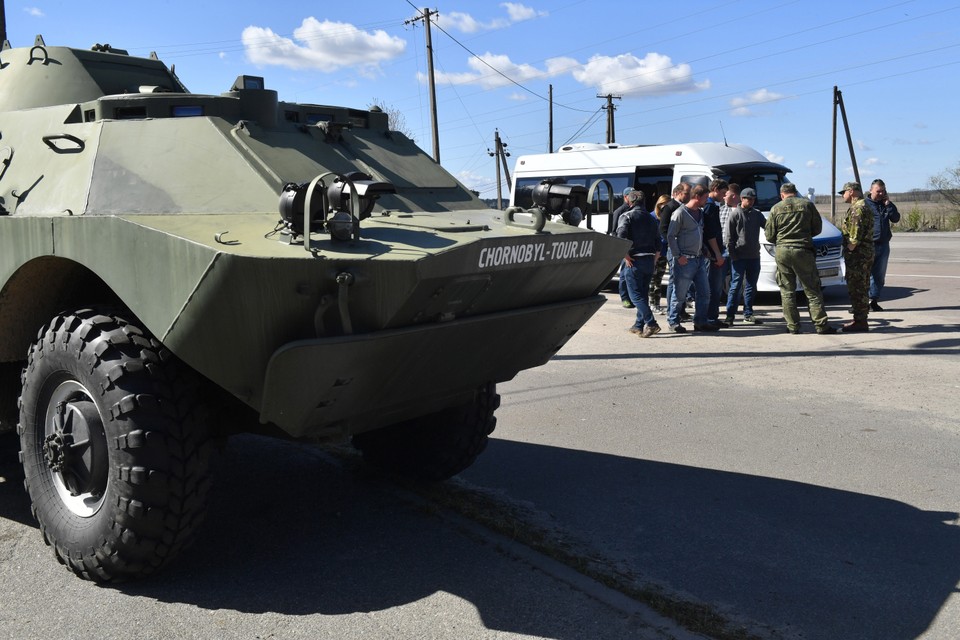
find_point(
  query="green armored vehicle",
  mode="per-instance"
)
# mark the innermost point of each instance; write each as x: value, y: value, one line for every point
x: 175, y: 268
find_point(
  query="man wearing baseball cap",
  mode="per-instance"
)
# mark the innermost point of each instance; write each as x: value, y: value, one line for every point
x: 858, y: 251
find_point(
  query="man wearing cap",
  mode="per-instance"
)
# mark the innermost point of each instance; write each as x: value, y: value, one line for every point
x: 791, y: 226
x: 614, y: 225
x: 858, y: 250
x: 743, y: 246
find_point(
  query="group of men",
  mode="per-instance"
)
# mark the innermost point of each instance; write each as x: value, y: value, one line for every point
x: 705, y: 242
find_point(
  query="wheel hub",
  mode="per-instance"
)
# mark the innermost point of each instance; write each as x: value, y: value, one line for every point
x: 56, y: 448
x: 75, y: 449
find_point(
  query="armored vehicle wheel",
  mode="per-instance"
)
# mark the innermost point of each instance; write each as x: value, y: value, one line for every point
x: 437, y: 446
x: 115, y: 456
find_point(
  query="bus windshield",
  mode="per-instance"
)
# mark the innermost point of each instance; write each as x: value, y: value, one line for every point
x: 766, y: 183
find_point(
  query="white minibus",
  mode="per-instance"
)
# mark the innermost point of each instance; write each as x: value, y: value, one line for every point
x: 605, y: 170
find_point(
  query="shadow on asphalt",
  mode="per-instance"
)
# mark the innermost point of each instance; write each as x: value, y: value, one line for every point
x: 292, y: 531
x: 814, y: 562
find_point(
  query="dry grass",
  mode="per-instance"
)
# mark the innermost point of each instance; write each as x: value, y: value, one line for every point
x: 919, y: 211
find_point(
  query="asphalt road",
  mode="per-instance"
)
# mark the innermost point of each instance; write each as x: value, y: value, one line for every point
x: 790, y: 486
x: 806, y: 486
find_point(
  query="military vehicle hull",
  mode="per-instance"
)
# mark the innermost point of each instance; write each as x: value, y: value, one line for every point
x: 159, y: 249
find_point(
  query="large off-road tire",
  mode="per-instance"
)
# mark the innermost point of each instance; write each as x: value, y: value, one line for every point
x: 114, y: 446
x: 437, y: 446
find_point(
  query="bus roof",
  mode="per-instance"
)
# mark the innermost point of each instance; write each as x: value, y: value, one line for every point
x: 621, y: 158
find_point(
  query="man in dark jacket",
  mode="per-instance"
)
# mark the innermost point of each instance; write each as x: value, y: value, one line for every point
x: 884, y: 212
x: 714, y: 250
x: 681, y: 193
x: 641, y: 229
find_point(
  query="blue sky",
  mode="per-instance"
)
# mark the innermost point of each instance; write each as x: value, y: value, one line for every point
x: 760, y: 73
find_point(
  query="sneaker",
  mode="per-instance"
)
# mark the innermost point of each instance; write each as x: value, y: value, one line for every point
x: 684, y: 316
x: 657, y: 309
x: 874, y: 306
x: 752, y: 320
x: 706, y: 327
x: 729, y: 321
x: 650, y: 330
x: 794, y: 331
x: 635, y: 330
x: 627, y: 304
x: 826, y: 330
x: 678, y: 328
x: 719, y: 324
x: 856, y: 326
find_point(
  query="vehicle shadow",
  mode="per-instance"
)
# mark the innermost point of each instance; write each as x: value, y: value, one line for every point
x: 295, y: 531
x: 808, y: 561
x: 14, y: 504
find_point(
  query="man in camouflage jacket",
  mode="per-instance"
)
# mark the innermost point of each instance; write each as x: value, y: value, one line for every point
x: 857, y: 229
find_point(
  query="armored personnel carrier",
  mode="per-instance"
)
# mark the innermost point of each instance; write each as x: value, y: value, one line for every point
x: 173, y: 264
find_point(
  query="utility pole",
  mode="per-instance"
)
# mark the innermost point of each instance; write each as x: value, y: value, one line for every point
x: 501, y: 154
x: 550, y: 143
x: 425, y: 16
x: 838, y: 103
x: 611, y: 131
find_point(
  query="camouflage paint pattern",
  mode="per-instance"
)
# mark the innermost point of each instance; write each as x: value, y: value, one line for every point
x: 857, y: 229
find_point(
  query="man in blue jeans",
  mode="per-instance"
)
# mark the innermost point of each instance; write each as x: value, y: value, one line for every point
x: 687, y: 262
x: 641, y: 229
x: 714, y: 250
x: 884, y: 212
x: 743, y: 245
x: 614, y: 223
x: 681, y: 193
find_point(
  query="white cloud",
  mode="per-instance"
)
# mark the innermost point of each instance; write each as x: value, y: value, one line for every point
x: 36, y: 12
x: 485, y: 185
x: 741, y: 104
x: 773, y: 157
x: 222, y: 55
x: 626, y: 75
x: 519, y: 12
x: 812, y: 164
x: 324, y: 46
x: 466, y: 23
x: 482, y: 74
x: 623, y: 75
x: 872, y: 162
x: 862, y: 145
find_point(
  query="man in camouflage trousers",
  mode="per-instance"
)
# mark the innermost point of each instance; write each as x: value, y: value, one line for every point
x: 791, y: 226
x: 857, y: 229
